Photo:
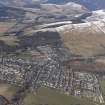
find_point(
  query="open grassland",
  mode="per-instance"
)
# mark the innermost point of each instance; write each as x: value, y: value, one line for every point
x: 47, y: 96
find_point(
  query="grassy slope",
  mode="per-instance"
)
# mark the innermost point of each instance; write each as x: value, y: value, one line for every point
x: 102, y: 86
x: 49, y: 96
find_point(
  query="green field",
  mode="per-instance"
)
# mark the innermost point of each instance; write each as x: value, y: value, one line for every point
x: 47, y: 96
x: 7, y: 90
x: 102, y: 84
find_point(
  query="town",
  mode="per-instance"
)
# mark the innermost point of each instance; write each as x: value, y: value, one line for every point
x: 48, y: 70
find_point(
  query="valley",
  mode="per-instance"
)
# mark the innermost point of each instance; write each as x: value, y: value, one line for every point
x: 51, y: 54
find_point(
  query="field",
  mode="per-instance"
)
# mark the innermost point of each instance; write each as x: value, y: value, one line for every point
x: 5, y: 26
x: 9, y: 40
x: 47, y: 96
x: 7, y: 90
x: 102, y: 87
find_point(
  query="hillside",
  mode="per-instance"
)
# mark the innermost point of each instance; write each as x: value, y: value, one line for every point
x: 90, y: 4
x: 86, y: 39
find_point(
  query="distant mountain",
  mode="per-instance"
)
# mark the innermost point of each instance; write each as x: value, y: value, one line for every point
x: 21, y: 2
x: 61, y: 10
x: 90, y: 4
x: 68, y: 8
x: 44, y: 12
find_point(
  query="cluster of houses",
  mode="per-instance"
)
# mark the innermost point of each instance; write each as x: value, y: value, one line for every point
x: 49, y: 72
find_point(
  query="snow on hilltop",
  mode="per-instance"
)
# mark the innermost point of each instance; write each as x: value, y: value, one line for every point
x: 97, y: 16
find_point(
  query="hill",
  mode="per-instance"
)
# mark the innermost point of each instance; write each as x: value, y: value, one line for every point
x: 86, y: 39
x: 90, y: 4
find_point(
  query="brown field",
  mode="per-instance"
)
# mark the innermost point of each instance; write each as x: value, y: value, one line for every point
x: 93, y: 67
x: 85, y: 41
x: 5, y: 26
